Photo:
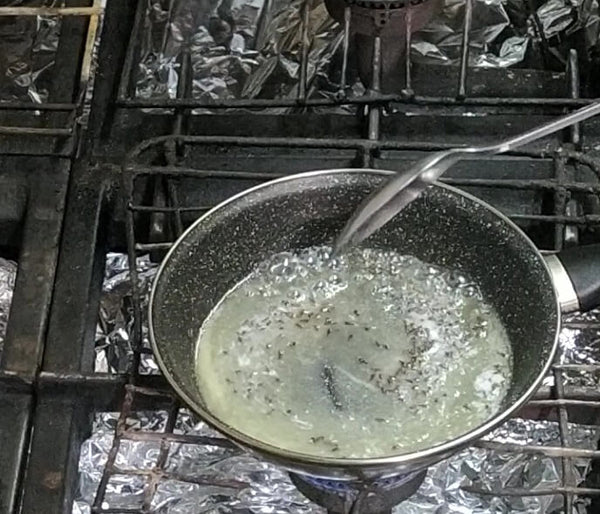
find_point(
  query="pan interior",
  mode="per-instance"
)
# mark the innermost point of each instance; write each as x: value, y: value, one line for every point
x: 441, y: 227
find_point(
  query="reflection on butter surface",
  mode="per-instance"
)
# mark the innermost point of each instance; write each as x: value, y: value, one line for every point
x: 366, y: 355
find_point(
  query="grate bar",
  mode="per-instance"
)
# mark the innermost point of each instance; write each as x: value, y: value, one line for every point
x: 198, y: 173
x: 149, y: 208
x: 574, y: 88
x: 34, y: 131
x: 151, y: 247
x: 588, y: 219
x: 199, y: 480
x: 581, y: 491
x: 303, y: 85
x: 374, y: 110
x: 180, y: 438
x: 464, y: 53
x: 442, y: 101
x: 136, y: 342
x: 518, y: 184
x: 407, y: 57
x: 323, y: 143
x: 114, y: 450
x: 86, y: 63
x: 580, y: 367
x: 29, y: 106
x: 158, y: 471
x: 564, y: 403
x: 346, y: 47
x: 51, y: 11
x: 548, y: 451
x: 125, y: 83
x: 568, y: 471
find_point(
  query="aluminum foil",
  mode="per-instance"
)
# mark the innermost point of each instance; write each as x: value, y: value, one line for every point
x: 252, y: 48
x: 238, y: 48
x: 440, y: 41
x: 269, y: 489
x: 446, y: 487
x: 114, y: 330
x: 581, y: 346
x: 29, y: 45
x: 445, y: 484
x: 8, y: 275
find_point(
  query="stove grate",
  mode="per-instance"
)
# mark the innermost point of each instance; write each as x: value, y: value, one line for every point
x: 164, y: 182
x: 51, y: 127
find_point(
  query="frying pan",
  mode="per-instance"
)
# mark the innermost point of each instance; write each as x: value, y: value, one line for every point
x: 444, y: 226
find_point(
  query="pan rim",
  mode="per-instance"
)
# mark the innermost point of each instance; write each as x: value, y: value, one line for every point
x: 298, y: 459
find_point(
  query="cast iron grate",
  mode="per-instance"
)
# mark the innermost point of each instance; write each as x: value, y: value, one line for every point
x: 51, y: 127
x: 562, y: 401
x: 37, y: 144
x: 166, y: 167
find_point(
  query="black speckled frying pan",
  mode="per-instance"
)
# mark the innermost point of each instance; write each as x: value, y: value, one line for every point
x: 444, y: 226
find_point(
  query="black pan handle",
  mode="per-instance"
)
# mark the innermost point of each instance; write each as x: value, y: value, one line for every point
x: 582, y: 267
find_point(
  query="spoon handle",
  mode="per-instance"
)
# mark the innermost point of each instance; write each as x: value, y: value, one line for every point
x: 549, y: 128
x: 407, y: 185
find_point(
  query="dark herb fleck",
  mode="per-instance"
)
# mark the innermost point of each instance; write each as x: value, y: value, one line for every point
x: 329, y: 380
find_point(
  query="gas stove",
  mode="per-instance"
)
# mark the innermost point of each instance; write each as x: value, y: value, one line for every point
x: 97, y: 182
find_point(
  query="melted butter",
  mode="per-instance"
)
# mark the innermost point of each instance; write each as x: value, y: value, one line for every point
x: 366, y: 355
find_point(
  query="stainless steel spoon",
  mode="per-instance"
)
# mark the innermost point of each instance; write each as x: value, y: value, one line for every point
x: 403, y: 188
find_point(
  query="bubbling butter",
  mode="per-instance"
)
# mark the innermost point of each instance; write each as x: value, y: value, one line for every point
x: 366, y: 355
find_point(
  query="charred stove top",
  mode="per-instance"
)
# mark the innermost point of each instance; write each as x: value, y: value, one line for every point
x: 196, y: 100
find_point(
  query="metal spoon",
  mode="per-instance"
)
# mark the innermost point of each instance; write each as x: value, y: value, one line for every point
x: 403, y: 188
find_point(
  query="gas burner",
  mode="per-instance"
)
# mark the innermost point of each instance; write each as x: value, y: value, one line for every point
x: 340, y: 497
x: 382, y: 18
x: 390, y: 20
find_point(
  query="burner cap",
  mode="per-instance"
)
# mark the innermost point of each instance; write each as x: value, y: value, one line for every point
x: 382, y: 17
x: 335, y: 496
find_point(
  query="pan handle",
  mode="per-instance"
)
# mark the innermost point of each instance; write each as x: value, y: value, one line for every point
x: 576, y: 276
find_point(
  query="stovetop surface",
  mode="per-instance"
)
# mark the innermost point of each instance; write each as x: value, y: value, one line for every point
x: 91, y: 198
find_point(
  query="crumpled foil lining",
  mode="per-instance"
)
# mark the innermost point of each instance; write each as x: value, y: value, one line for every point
x: 270, y: 489
x: 29, y: 45
x: 581, y: 346
x: 8, y: 275
x: 252, y: 48
x: 238, y: 48
x: 114, y: 330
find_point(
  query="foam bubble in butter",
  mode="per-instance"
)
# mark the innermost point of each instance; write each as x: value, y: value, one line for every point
x: 365, y: 355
